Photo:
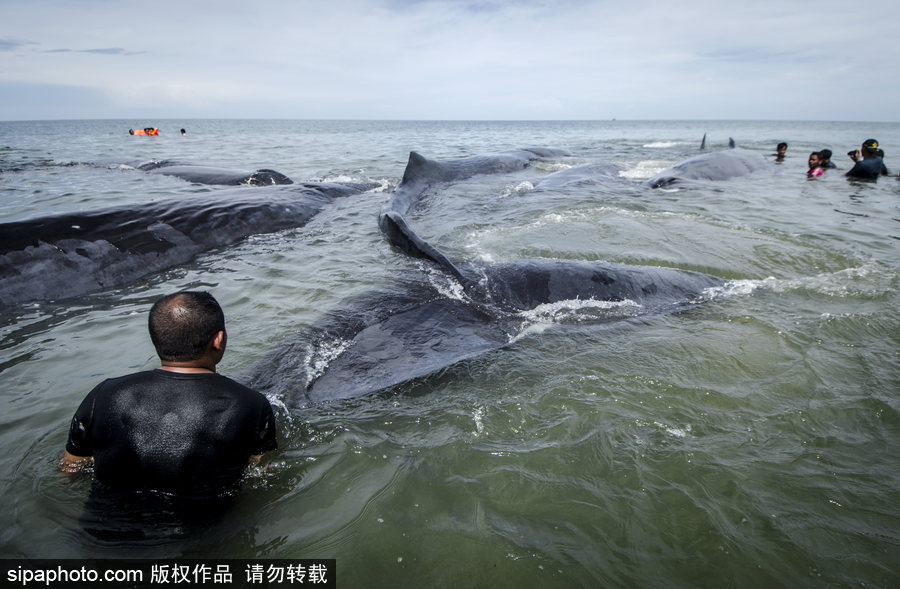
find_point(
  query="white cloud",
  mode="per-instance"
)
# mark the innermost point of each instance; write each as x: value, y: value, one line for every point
x: 448, y: 59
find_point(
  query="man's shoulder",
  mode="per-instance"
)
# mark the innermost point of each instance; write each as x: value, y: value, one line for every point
x: 869, y: 167
x: 162, y: 380
x: 126, y: 379
x: 243, y: 390
x: 228, y: 381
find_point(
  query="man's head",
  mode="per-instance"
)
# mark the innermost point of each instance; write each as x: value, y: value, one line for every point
x: 814, y: 159
x: 825, y: 155
x: 869, y: 148
x: 183, y: 325
x: 781, y: 148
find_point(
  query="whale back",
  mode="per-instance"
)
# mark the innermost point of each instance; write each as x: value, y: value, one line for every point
x: 712, y: 166
x: 524, y: 285
x: 220, y: 176
x: 95, y: 250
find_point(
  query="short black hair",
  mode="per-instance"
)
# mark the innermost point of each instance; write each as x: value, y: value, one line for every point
x: 780, y: 145
x: 825, y: 154
x: 183, y: 324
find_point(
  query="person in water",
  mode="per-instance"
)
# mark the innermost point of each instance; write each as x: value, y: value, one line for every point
x: 825, y: 159
x: 181, y: 429
x: 867, y: 161
x: 780, y: 150
x: 815, y: 166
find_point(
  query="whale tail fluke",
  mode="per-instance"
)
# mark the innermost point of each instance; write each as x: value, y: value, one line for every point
x: 401, y: 235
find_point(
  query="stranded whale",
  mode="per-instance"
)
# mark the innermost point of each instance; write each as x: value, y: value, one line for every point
x: 77, y: 253
x: 198, y: 174
x: 414, y: 329
x: 714, y: 165
x: 422, y: 325
x: 214, y: 175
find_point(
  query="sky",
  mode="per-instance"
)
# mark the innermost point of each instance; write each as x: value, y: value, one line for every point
x: 449, y: 60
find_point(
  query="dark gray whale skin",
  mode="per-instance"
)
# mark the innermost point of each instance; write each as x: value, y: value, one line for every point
x: 422, y: 174
x: 211, y: 175
x: 413, y: 329
x: 63, y: 256
x: 220, y: 176
x: 712, y: 166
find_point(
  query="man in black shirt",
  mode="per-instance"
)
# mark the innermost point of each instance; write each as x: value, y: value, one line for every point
x: 872, y: 163
x: 181, y: 429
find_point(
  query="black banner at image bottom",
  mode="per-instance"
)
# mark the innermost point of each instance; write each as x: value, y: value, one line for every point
x: 172, y: 573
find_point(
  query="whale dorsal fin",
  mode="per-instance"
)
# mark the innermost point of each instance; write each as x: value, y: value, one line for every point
x: 703, y: 142
x: 731, y: 143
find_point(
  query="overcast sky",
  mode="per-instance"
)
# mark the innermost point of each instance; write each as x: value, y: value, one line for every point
x: 444, y: 59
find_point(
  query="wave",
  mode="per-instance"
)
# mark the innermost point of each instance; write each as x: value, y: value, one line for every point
x: 645, y: 170
x: 665, y: 144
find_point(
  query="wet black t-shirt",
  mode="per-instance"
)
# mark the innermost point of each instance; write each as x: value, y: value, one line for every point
x: 868, y: 168
x: 189, y: 434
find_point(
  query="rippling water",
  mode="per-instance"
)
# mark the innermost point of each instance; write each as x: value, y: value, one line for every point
x: 751, y: 441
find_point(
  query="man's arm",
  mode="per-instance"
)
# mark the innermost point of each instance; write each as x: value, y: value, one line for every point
x: 73, y: 464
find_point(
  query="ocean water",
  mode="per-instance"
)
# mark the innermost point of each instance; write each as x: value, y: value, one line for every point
x: 749, y: 441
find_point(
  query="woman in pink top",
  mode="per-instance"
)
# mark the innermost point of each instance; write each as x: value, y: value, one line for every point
x: 815, y: 166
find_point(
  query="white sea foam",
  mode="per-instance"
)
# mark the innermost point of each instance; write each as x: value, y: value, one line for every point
x: 678, y: 432
x: 445, y: 285
x: 384, y: 185
x: 340, y: 179
x: 550, y: 166
x: 478, y: 418
x: 846, y: 282
x: 576, y: 309
x: 664, y: 144
x: 644, y: 170
x: 475, y: 237
x: 520, y: 188
x: 546, y: 315
x: 319, y: 357
x: 867, y: 280
x: 734, y: 288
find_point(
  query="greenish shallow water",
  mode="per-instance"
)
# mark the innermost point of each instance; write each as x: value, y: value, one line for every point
x: 750, y: 441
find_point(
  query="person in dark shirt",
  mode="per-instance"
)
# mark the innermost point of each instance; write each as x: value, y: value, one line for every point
x: 825, y: 159
x: 871, y: 164
x: 181, y: 429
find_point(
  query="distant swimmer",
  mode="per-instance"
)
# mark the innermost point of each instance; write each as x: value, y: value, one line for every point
x: 815, y: 166
x: 144, y: 131
x: 183, y: 131
x: 780, y: 150
x: 869, y: 161
x: 181, y: 429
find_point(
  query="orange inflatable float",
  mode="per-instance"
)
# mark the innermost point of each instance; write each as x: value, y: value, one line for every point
x: 144, y: 131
